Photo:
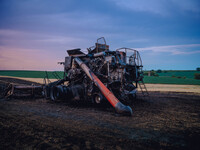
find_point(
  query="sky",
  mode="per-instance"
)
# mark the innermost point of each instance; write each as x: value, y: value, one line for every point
x: 35, y: 34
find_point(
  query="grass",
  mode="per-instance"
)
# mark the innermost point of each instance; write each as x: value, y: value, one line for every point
x: 170, y: 80
x: 185, y: 77
x: 30, y: 74
x: 183, y: 73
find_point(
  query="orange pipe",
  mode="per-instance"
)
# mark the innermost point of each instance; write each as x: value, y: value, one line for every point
x: 119, y: 107
x: 105, y: 91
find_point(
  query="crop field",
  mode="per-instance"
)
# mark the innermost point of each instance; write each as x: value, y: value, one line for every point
x: 31, y: 74
x: 179, y: 73
x: 173, y: 77
x: 165, y: 77
x: 170, y: 80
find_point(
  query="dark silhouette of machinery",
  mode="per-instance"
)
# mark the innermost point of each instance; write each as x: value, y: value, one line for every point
x: 100, y: 75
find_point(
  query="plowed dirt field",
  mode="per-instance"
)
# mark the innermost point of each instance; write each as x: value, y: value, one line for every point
x: 167, y: 120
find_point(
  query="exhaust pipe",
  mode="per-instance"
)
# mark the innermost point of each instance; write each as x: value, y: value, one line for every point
x: 119, y: 107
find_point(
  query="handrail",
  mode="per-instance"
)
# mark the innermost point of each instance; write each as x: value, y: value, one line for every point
x: 97, y: 46
x: 101, y: 38
x: 136, y: 54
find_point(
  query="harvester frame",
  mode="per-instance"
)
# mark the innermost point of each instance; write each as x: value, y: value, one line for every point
x: 99, y: 76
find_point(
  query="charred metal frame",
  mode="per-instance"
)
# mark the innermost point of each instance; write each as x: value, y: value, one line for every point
x: 100, y: 75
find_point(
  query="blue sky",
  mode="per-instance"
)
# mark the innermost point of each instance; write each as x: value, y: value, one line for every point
x: 35, y: 34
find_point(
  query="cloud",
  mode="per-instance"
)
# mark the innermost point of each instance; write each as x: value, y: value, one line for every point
x: 35, y: 31
x: 36, y: 51
x: 185, y: 49
x: 161, y: 7
x: 68, y: 27
x: 137, y: 40
x: 13, y: 58
x: 29, y: 40
x: 187, y: 5
x: 186, y: 53
x: 152, y: 6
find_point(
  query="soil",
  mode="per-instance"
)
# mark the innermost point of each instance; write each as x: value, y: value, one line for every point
x: 166, y: 120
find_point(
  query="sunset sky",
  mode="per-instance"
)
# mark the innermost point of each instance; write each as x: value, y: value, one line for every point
x: 35, y: 34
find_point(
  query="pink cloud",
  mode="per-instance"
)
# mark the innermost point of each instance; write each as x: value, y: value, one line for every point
x: 27, y: 59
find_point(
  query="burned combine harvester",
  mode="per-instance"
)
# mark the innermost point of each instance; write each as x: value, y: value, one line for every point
x: 101, y: 75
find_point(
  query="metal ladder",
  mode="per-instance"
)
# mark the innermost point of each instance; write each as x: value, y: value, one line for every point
x: 141, y: 83
x: 139, y: 75
x: 143, y: 88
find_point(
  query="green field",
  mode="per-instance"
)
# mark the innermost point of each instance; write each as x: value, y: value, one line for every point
x: 174, y: 77
x: 170, y: 80
x: 30, y: 74
x: 179, y: 73
x: 166, y: 77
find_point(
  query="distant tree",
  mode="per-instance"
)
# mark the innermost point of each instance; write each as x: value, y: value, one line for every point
x: 145, y: 73
x: 198, y: 69
x: 197, y: 76
x: 159, y: 71
x: 153, y: 73
x: 173, y: 76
